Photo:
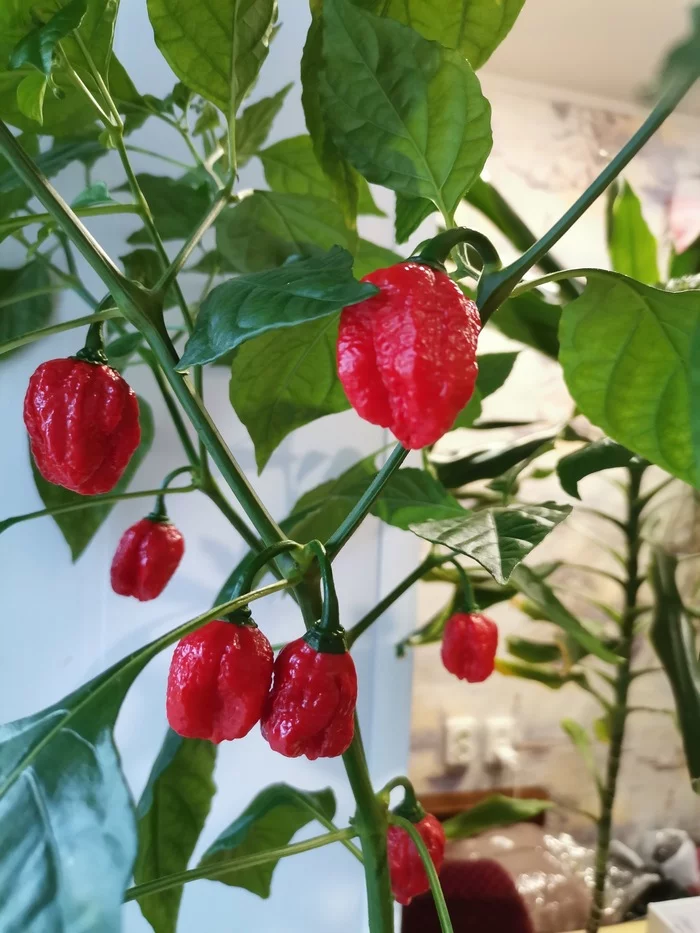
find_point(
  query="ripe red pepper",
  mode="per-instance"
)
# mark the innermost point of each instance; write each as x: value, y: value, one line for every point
x: 147, y: 556
x: 219, y: 678
x: 408, y: 875
x: 469, y: 644
x: 407, y: 356
x: 83, y: 423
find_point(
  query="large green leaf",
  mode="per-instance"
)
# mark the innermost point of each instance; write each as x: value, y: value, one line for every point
x: 460, y: 469
x: 473, y: 27
x: 177, y: 206
x: 80, y: 526
x: 254, y: 125
x: 494, y: 812
x: 284, y: 379
x: 216, y: 48
x: 291, y: 167
x: 412, y: 496
x: 266, y: 228
x: 675, y: 642
x: 631, y: 243
x: 497, y: 538
x: 38, y: 48
x: 600, y: 455
x: 408, y: 113
x: 171, y: 815
x: 250, y: 305
x: 269, y: 822
x: 631, y: 358
x: 19, y: 315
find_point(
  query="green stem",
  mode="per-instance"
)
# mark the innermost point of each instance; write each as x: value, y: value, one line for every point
x: 236, y: 864
x: 158, y: 155
x: 102, y: 210
x: 159, y: 512
x: 33, y: 335
x: 438, y: 896
x: 147, y: 356
x: 563, y: 275
x: 619, y: 710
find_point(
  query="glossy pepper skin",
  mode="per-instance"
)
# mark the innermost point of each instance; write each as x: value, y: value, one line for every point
x: 147, y: 556
x: 408, y: 875
x: 219, y: 678
x: 469, y: 644
x: 83, y: 424
x: 407, y: 356
x: 310, y: 710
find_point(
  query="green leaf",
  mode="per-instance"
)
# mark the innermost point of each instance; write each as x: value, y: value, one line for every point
x: 20, y: 315
x: 267, y: 228
x: 408, y: 113
x: 532, y: 586
x: 470, y: 413
x: 120, y: 351
x: 269, y: 822
x: 631, y: 243
x: 631, y: 358
x: 171, y: 814
x: 79, y: 527
x: 413, y: 495
x: 291, y: 167
x: 284, y: 379
x: 431, y: 632
x: 37, y: 48
x: 254, y: 125
x: 410, y: 214
x: 582, y: 742
x: 497, y: 538
x: 547, y: 676
x: 494, y: 369
x: 30, y: 96
x: 458, y: 470
x: 14, y: 195
x: 145, y: 266
x: 176, y: 204
x: 250, y: 305
x: 674, y: 641
x: 533, y: 652
x: 531, y: 320
x: 683, y: 61
x: 600, y: 455
x: 494, y: 812
x: 98, y: 193
x: 686, y: 263
x: 370, y: 257
x: 216, y: 48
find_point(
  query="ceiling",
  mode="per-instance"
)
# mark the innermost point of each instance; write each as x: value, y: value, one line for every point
x: 604, y: 48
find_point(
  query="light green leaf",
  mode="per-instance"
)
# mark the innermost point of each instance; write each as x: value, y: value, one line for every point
x: 600, y: 455
x: 284, y: 379
x: 413, y: 495
x: 409, y: 114
x: 30, y: 96
x: 550, y: 677
x: 631, y: 360
x: 254, y: 125
x: 631, y: 243
x: 215, y: 48
x: 494, y: 812
x: 269, y: 822
x: 79, y: 527
x: 582, y: 742
x: 250, y: 305
x: 177, y: 206
x: 531, y: 320
x: 20, y: 315
x: 37, y: 49
x: 171, y: 815
x: 533, y: 652
x: 97, y: 193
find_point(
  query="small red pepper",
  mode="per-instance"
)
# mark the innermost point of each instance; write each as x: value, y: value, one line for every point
x: 469, y: 644
x: 147, y: 556
x: 408, y: 875
x: 219, y: 678
x: 83, y: 421
x: 407, y: 356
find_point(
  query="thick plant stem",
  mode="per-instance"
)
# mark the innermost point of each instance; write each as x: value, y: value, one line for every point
x: 620, y: 709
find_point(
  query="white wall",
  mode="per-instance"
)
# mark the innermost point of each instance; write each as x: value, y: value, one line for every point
x: 62, y: 624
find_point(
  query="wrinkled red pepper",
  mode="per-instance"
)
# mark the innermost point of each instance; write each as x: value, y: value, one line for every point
x: 408, y: 875
x: 469, y: 644
x: 147, y: 556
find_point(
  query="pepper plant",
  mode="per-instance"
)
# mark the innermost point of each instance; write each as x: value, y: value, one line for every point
x: 311, y: 319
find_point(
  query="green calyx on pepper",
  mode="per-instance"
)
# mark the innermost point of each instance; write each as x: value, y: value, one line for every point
x: 94, y: 349
x: 328, y: 635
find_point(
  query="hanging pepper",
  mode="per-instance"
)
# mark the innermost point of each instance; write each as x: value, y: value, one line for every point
x: 406, y: 870
x: 469, y: 644
x: 310, y: 710
x: 407, y: 356
x: 82, y: 419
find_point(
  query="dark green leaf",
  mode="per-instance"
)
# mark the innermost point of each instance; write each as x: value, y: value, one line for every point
x: 37, y: 48
x: 532, y: 585
x: 459, y: 470
x: 250, y: 305
x: 531, y: 320
x: 217, y: 48
x: 177, y: 206
x: 497, y: 538
x: 20, y: 315
x: 630, y: 357
x: 171, y: 815
x: 550, y: 677
x: 254, y: 125
x: 413, y: 495
x: 79, y: 527
x: 408, y: 113
x: 600, y: 455
x: 683, y: 61
x: 533, y: 652
x: 685, y: 263
x: 269, y: 822
x: 494, y: 812
x: 97, y: 193
x: 582, y: 742
x: 674, y: 640
x: 120, y: 351
x: 410, y: 214
x: 631, y: 243
x: 145, y: 266
x: 370, y: 257
x: 284, y: 379
x: 470, y: 413
x: 494, y: 369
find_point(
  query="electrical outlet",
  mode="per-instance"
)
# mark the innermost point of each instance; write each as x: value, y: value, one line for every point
x: 499, y: 751
x: 460, y: 748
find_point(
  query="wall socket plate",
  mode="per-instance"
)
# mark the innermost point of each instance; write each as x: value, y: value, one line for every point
x: 461, y: 741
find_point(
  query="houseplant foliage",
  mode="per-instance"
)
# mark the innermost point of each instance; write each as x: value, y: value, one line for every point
x: 391, y: 98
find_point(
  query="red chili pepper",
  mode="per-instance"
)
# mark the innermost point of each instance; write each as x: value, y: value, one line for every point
x: 147, y: 556
x: 408, y: 875
x: 83, y: 423
x: 407, y: 356
x: 469, y: 644
x: 219, y: 678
